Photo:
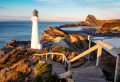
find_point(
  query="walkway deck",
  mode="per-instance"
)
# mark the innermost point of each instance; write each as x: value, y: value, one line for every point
x: 57, y: 67
x: 88, y: 74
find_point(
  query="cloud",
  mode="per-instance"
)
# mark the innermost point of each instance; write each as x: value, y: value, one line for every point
x: 51, y: 1
x: 59, y: 19
x: 107, y: 6
x: 100, y: 4
x: 12, y: 18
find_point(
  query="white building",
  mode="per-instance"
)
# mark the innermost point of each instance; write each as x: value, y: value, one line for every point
x: 35, y: 40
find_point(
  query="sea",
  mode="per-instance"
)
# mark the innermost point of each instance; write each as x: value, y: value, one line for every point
x: 21, y: 31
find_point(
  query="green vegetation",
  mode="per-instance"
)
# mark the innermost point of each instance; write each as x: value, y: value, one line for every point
x: 68, y: 25
x: 14, y: 56
x: 17, y: 73
x: 43, y: 72
x: 109, y: 28
x: 42, y: 51
x: 111, y: 25
x: 60, y: 49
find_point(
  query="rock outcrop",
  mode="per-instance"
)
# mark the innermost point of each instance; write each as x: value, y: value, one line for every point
x: 50, y: 33
x: 92, y: 21
x: 78, y: 42
x: 54, y: 36
x: 111, y: 25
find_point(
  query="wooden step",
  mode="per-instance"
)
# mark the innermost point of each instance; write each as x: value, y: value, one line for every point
x: 88, y: 74
x: 57, y: 67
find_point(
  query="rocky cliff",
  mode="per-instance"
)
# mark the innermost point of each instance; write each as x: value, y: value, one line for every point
x: 92, y: 21
x: 54, y: 36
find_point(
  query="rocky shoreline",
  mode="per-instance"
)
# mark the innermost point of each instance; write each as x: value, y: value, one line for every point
x: 107, y: 27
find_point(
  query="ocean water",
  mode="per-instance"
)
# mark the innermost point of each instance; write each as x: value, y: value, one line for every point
x: 21, y: 31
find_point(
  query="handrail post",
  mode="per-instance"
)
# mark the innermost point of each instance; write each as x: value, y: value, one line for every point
x: 117, y: 70
x: 69, y: 66
x: 52, y: 56
x: 63, y: 59
x: 99, y: 52
x: 65, y: 62
x: 33, y: 56
x: 46, y: 56
x: 42, y: 56
x: 89, y: 38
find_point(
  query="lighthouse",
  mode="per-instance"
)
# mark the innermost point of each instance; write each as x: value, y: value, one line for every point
x: 35, y: 41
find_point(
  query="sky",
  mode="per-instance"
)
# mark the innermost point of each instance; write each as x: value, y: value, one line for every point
x: 59, y: 10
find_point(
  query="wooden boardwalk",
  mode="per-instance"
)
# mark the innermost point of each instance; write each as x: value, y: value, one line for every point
x: 57, y: 67
x: 88, y: 74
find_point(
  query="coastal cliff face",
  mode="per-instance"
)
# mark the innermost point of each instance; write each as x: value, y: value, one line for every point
x: 92, y: 21
x: 78, y: 42
x: 51, y: 33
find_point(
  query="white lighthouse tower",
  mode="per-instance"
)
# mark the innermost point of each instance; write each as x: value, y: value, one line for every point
x: 35, y: 41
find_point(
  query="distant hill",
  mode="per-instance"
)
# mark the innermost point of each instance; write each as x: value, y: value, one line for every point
x: 92, y: 21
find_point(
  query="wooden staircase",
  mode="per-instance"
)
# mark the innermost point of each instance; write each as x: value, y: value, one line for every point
x: 86, y: 73
x: 57, y: 68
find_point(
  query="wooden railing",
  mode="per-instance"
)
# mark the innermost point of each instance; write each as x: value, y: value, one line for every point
x: 84, y: 53
x: 117, y: 52
x: 99, y: 53
x: 64, y: 58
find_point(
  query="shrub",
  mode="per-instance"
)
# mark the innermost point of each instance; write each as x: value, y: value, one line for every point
x: 111, y: 25
x: 42, y: 51
x: 14, y: 56
x: 43, y: 73
x: 60, y: 49
x: 42, y: 69
x: 16, y: 73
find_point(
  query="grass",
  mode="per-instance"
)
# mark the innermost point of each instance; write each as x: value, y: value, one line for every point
x: 60, y: 49
x: 16, y: 73
x: 42, y: 51
x: 43, y: 72
x: 14, y: 56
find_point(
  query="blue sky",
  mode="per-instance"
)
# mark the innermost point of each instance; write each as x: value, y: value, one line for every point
x: 59, y: 10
